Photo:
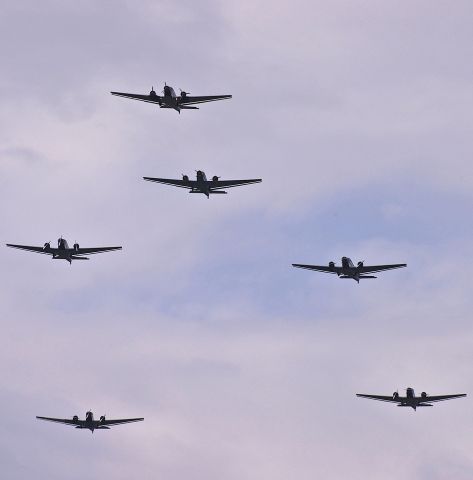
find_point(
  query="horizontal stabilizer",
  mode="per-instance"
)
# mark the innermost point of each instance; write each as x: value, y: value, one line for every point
x: 425, y: 405
x: 103, y: 428
x: 360, y: 277
x: 217, y: 191
x: 186, y: 107
x: 78, y: 258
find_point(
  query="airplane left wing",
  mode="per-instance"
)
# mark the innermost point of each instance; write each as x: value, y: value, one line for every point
x: 141, y: 98
x: 174, y: 183
x: 50, y: 251
x: 188, y: 100
x: 66, y: 421
x: 380, y: 268
x: 92, y: 250
x: 121, y: 421
x: 381, y: 398
x: 318, y: 268
x: 232, y: 183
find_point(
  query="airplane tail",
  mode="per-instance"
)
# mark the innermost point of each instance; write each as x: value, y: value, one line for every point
x: 360, y: 277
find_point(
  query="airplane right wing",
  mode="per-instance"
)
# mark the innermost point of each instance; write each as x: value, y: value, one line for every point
x: 50, y: 251
x: 121, y: 421
x: 440, y: 398
x: 188, y: 100
x: 174, y: 183
x: 318, y: 268
x: 381, y: 398
x: 92, y: 250
x: 232, y: 183
x: 380, y: 268
x: 65, y: 421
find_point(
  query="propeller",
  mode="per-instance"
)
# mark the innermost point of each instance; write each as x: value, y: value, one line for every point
x: 183, y: 93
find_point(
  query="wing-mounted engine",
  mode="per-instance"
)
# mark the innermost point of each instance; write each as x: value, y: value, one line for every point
x: 47, y: 246
x: 185, y: 178
x: 184, y: 94
x: 331, y: 265
x: 75, y: 418
x: 76, y: 247
x: 102, y: 419
x: 423, y: 395
x: 215, y: 178
x: 395, y: 395
x: 360, y: 264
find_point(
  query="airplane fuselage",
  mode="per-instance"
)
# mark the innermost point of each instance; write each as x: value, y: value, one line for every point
x: 63, y: 251
x: 410, y: 400
x: 91, y: 424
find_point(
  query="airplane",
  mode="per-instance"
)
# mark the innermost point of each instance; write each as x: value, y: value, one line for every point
x: 169, y: 99
x: 63, y: 252
x: 202, y: 185
x: 410, y: 400
x: 90, y: 423
x: 348, y: 269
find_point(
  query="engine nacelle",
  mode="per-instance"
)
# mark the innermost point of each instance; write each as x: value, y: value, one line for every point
x: 395, y: 395
x: 360, y: 264
x: 75, y: 418
x: 184, y: 94
x: 102, y: 419
x: 152, y: 93
x: 331, y: 265
x: 47, y: 246
x: 423, y: 395
x: 76, y: 247
x: 185, y: 178
x: 215, y: 178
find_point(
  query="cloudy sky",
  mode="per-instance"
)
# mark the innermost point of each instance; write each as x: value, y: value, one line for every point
x: 357, y: 114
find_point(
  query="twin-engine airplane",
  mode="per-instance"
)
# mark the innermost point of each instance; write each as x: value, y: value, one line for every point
x: 202, y: 185
x: 63, y: 252
x: 169, y: 99
x: 410, y: 400
x: 90, y: 423
x: 348, y: 270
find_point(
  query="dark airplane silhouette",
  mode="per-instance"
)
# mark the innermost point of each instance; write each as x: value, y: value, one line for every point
x: 202, y: 185
x: 63, y: 252
x: 90, y: 423
x: 410, y: 400
x: 348, y: 270
x: 169, y: 99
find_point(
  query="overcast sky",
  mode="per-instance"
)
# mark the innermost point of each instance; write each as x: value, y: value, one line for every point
x: 357, y: 115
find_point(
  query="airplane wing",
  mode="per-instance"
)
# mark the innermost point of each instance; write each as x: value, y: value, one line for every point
x: 92, y: 250
x: 232, y: 183
x: 174, y: 183
x: 380, y: 268
x: 120, y: 422
x: 66, y: 421
x: 441, y: 398
x: 381, y: 398
x: 33, y: 249
x: 318, y: 268
x: 141, y: 98
x: 188, y: 100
